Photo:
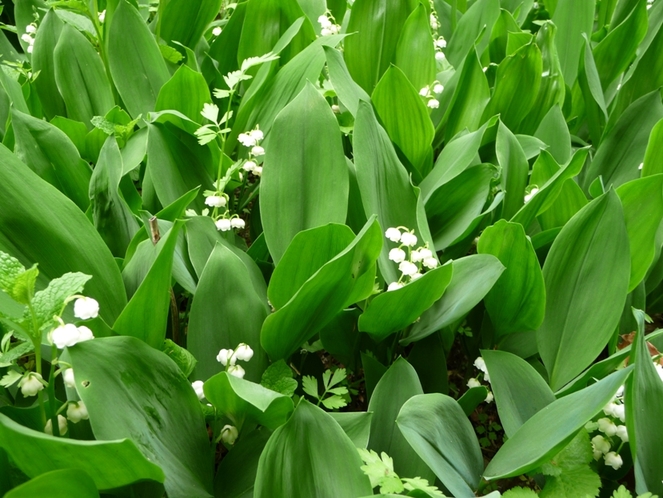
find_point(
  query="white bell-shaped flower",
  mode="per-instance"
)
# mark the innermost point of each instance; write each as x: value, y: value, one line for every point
x: 198, y: 388
x: 430, y: 263
x: 68, y: 378
x: 237, y: 223
x: 613, y: 460
x: 246, y: 140
x: 622, y: 433
x: 216, y: 201
x: 77, y: 412
x: 65, y: 335
x: 229, y: 434
x: 84, y: 334
x: 223, y: 224
x: 409, y: 239
x: 397, y: 255
x: 393, y: 234
x: 31, y: 384
x: 236, y: 371
x: 225, y: 357
x: 62, y: 426
x: 472, y: 382
x: 86, y: 308
x: 394, y: 286
x: 257, y: 151
x: 217, y: 31
x: 607, y: 427
x: 244, y: 352
x: 600, y: 446
x: 249, y: 166
x: 257, y: 135
x: 408, y: 268
x: 433, y: 103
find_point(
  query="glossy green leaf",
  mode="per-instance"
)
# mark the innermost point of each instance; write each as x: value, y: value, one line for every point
x: 554, y: 132
x: 469, y: 99
x: 573, y: 18
x: 357, y: 426
x: 185, y: 21
x: 244, y: 401
x: 185, y: 92
x: 644, y: 406
x: 110, y: 464
x: 134, y: 391
x: 309, y: 251
x: 384, y: 185
x: 348, y: 92
x: 623, y: 146
x: 520, y: 391
x: 312, y: 466
x: 146, y: 314
x: 111, y: 214
x: 305, y: 183
x: 322, y: 296
x: 399, y: 384
x: 643, y: 211
x: 515, y: 170
x: 591, y: 252
x: 51, y: 155
x: 405, y: 118
x: 551, y: 428
x: 43, y: 61
x: 377, y: 25
x: 138, y: 69
x: 81, y: 77
x: 415, y: 52
x: 473, y: 29
x: 57, y: 484
x: 473, y: 277
x: 242, y: 465
x: 517, y: 301
x: 394, y: 310
x: 30, y: 232
x: 653, y: 163
x: 517, y: 84
x: 452, y: 208
x: 439, y: 431
x: 226, y: 311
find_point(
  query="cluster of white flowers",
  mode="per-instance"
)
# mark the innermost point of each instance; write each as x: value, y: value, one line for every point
x: 429, y: 92
x: 411, y: 262
x: 68, y: 334
x: 480, y: 364
x: 329, y: 27
x: 29, y: 36
x: 440, y: 44
x: 252, y: 139
x: 532, y: 192
x: 434, y: 21
x: 608, y: 444
x: 229, y: 357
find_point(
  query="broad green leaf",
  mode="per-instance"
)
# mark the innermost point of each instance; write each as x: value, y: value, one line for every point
x: 241, y: 464
x: 520, y: 391
x: 244, y: 401
x: 552, y: 428
x: 384, y: 185
x: 110, y: 464
x: 515, y: 170
x: 517, y: 84
x: 405, y: 118
x: 313, y: 466
x: 81, y: 77
x: 554, y: 132
x: 13, y: 90
x: 307, y: 253
x: 348, y: 92
x: 456, y: 157
x: 111, y: 214
x: 439, y: 431
x: 51, y: 155
x: 623, y: 145
x: 135, y: 61
x: 185, y: 21
x: 473, y: 277
x: 552, y: 90
x: 57, y: 484
x: 322, y: 296
x: 377, y: 26
x: 644, y: 406
x: 185, y: 92
x: 473, y: 30
x: 357, y: 426
x: 469, y: 99
x: 305, y: 183
x: 177, y: 164
x: 399, y: 384
x: 392, y: 311
x: 591, y: 252
x: 453, y: 207
x: 520, y: 7
x: 43, y: 62
x: 653, y: 163
x: 134, y: 391
x: 226, y: 311
x: 517, y: 301
x: 30, y: 233
x: 643, y: 211
x: 590, y: 84
x: 146, y: 314
x: 573, y: 18
x: 415, y: 52
x: 615, y: 52
x: 51, y: 300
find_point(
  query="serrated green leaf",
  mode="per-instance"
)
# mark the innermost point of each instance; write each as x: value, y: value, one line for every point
x: 180, y: 356
x: 50, y: 301
x: 24, y: 286
x: 10, y: 269
x: 520, y: 493
x: 15, y: 353
x: 580, y: 482
x: 310, y: 386
x: 622, y: 492
x: 334, y: 402
x: 10, y: 378
x: 278, y: 377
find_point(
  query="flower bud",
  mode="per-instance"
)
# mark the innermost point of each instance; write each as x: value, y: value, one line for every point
x: 217, y: 31
x: 62, y: 425
x: 229, y: 434
x: 77, y: 412
x: 244, y: 352
x: 86, y: 308
x: 68, y: 378
x: 31, y: 384
x: 198, y: 388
